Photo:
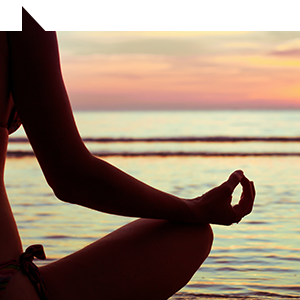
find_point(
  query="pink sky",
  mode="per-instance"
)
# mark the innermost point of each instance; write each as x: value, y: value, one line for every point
x: 181, y: 70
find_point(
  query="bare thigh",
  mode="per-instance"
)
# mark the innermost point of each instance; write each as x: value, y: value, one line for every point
x: 146, y: 259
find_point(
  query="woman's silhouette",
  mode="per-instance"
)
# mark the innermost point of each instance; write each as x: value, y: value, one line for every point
x: 150, y: 258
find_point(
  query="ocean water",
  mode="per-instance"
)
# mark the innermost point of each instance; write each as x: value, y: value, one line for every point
x: 184, y: 153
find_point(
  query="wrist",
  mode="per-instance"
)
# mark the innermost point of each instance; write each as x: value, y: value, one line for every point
x: 185, y: 212
x: 195, y: 211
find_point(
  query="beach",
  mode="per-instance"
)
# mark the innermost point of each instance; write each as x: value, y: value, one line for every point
x: 255, y: 259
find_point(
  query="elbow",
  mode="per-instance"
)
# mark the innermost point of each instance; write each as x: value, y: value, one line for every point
x: 75, y: 182
x: 64, y: 191
x: 62, y: 195
x: 68, y: 181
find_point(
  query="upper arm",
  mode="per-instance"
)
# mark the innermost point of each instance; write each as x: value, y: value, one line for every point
x: 39, y: 93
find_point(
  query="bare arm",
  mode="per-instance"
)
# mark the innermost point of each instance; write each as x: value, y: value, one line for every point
x: 74, y: 174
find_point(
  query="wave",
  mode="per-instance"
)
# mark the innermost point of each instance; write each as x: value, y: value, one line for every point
x: 169, y: 153
x: 213, y: 139
x: 166, y: 153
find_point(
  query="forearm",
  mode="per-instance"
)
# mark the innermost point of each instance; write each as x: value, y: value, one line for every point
x: 103, y: 187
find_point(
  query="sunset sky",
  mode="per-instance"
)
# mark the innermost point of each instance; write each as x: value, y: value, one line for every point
x: 181, y: 70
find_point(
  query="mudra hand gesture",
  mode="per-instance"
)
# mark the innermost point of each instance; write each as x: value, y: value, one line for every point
x: 215, y: 206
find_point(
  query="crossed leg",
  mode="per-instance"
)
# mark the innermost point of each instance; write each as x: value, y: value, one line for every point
x: 145, y: 259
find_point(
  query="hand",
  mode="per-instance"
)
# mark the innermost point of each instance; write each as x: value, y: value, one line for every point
x: 215, y: 207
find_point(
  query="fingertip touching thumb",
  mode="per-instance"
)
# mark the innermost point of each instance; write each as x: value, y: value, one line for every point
x: 235, y: 178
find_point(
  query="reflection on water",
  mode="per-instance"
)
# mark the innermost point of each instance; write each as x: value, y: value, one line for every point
x: 257, y: 258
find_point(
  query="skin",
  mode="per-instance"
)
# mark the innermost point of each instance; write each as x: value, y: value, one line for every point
x: 150, y: 258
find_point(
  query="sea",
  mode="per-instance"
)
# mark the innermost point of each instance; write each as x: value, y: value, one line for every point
x: 185, y: 153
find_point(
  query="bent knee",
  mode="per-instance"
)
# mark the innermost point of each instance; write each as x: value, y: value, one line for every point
x: 203, y: 240
x: 210, y: 236
x: 209, y: 232
x: 197, y: 247
x: 206, y: 236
